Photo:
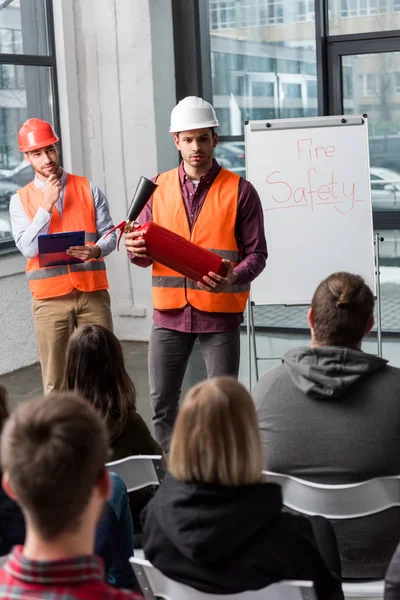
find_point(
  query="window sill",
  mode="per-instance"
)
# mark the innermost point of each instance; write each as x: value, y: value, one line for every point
x: 12, y: 264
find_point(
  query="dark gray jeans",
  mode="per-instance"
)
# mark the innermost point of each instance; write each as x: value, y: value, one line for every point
x: 169, y: 353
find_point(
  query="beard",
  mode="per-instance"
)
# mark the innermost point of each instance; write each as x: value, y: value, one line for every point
x: 53, y: 169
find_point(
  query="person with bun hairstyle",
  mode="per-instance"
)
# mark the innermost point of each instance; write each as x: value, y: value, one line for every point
x: 330, y: 413
x: 216, y: 524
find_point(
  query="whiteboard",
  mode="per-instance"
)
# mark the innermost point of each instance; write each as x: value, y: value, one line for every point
x: 312, y: 176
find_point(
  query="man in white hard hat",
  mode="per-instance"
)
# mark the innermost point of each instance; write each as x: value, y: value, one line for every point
x: 216, y: 209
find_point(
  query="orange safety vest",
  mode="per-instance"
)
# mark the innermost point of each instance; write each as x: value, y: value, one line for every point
x: 78, y: 213
x: 214, y: 229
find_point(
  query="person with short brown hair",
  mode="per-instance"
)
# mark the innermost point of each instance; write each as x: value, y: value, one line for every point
x: 53, y: 454
x: 215, y: 524
x: 331, y: 414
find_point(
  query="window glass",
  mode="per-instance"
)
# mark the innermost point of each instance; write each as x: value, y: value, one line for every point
x: 23, y: 27
x: 21, y: 97
x: 263, y: 61
x: 359, y: 16
x: 25, y: 91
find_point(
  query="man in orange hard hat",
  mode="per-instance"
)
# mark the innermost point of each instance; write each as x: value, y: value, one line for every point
x: 64, y: 296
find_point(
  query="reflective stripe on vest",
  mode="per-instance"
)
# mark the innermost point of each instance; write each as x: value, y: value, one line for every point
x: 214, y: 229
x: 78, y: 213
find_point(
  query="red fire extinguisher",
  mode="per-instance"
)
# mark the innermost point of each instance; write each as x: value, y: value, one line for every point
x: 168, y: 248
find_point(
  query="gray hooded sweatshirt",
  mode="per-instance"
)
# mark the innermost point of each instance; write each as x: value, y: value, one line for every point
x: 332, y: 415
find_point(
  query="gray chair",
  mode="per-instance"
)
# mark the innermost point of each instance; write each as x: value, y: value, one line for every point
x: 155, y: 584
x: 345, y: 501
x: 138, y: 471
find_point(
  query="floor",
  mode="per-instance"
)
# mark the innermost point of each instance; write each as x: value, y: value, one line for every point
x: 26, y: 383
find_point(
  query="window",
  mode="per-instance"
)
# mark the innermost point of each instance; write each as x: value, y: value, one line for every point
x: 312, y: 90
x: 369, y: 84
x: 362, y: 8
x: 257, y: 13
x: 263, y: 88
x: 222, y: 14
x: 347, y: 80
x: 396, y: 82
x: 258, y: 74
x: 27, y: 76
x: 291, y: 90
x: 359, y: 16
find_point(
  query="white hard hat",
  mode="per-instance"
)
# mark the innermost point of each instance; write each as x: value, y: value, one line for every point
x: 192, y: 113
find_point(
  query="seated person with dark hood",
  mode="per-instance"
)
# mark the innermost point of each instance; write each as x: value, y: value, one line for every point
x: 215, y: 524
x: 331, y: 414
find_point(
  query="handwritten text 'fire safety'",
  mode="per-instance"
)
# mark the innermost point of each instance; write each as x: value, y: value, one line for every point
x: 318, y: 190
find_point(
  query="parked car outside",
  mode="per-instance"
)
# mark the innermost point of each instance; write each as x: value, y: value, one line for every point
x: 385, y: 189
x: 12, y: 180
x: 232, y: 155
x: 5, y: 230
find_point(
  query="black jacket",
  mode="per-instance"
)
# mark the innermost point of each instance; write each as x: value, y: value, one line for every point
x: 221, y: 539
x: 12, y: 523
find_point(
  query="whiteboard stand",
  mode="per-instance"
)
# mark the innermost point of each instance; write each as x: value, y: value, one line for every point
x: 378, y: 240
x: 251, y: 331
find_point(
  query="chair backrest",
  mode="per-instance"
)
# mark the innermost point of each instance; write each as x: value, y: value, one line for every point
x: 347, y: 501
x: 154, y: 583
x: 138, y: 471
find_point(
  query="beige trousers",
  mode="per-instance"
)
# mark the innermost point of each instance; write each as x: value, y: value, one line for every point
x: 55, y: 320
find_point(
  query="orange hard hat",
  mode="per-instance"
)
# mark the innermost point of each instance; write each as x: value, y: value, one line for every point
x: 35, y: 134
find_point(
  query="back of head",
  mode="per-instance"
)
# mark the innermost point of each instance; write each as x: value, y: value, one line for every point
x: 216, y: 438
x: 343, y: 307
x: 54, y: 450
x: 95, y: 368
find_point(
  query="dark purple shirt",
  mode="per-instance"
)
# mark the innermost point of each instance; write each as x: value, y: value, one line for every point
x: 250, y: 238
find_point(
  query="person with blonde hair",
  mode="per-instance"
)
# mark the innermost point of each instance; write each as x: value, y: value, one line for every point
x: 330, y: 413
x: 215, y: 524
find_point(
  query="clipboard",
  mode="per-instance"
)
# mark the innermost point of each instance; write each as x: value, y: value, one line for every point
x: 53, y: 247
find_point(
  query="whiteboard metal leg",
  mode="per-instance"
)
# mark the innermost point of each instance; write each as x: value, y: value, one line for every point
x: 378, y: 240
x: 249, y: 342
x: 253, y: 329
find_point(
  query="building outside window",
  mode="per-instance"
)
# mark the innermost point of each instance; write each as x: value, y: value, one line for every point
x: 27, y: 89
x: 369, y: 84
x: 362, y: 16
x: 396, y: 82
x: 362, y: 8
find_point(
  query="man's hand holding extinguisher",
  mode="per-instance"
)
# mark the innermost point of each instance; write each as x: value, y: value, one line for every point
x: 136, y: 246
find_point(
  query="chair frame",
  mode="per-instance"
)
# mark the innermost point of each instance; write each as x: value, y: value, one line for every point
x: 152, y: 468
x: 334, y: 501
x: 274, y: 591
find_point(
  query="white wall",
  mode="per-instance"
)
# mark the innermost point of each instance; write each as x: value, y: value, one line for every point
x: 116, y: 82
